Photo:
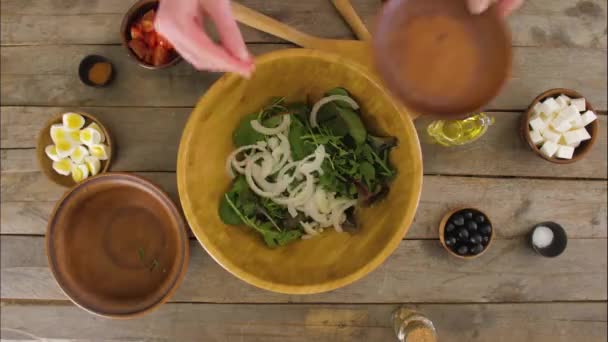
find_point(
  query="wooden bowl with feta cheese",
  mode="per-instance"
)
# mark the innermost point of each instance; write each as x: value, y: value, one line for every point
x: 49, y: 160
x: 560, y: 126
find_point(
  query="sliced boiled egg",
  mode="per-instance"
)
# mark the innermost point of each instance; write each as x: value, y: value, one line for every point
x: 79, y: 172
x: 96, y: 127
x: 59, y: 133
x: 90, y: 136
x: 63, y: 167
x: 51, y: 152
x: 79, y: 154
x: 64, y: 148
x: 93, y: 164
x: 99, y: 150
x: 73, y: 121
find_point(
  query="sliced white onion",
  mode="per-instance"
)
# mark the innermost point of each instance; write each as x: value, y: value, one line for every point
x: 252, y: 184
x: 328, y: 99
x: 270, y: 187
x: 311, y: 209
x: 282, y: 153
x: 283, y: 126
x: 337, y: 215
x: 301, y: 196
x: 238, y: 165
x: 309, y: 228
x: 315, y: 165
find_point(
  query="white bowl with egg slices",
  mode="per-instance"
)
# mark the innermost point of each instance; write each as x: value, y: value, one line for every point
x: 72, y: 147
x: 560, y: 126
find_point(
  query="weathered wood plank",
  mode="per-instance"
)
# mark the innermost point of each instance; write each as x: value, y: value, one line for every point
x: 550, y: 23
x: 418, y: 271
x: 148, y: 139
x: 514, y: 205
x: 52, y: 81
x: 543, y: 322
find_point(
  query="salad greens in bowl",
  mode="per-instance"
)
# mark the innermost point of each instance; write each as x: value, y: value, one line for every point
x: 300, y: 168
x: 303, y: 178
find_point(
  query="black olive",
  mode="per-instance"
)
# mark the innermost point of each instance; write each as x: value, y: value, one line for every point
x: 480, y: 218
x: 449, y: 227
x: 476, y: 249
x: 475, y: 239
x: 463, y: 250
x: 486, y: 229
x: 468, y: 215
x: 451, y: 241
x: 463, y: 234
x: 458, y: 220
x: 471, y: 225
x: 485, y: 240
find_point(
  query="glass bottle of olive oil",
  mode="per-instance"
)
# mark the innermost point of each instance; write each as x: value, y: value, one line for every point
x: 459, y: 132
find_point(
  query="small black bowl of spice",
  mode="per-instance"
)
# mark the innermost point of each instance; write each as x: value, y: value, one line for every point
x: 466, y: 233
x: 96, y: 71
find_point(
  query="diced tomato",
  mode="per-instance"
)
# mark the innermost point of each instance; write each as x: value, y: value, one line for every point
x: 161, y: 55
x: 136, y: 32
x: 147, y: 21
x: 162, y: 41
x: 151, y: 39
x: 139, y: 47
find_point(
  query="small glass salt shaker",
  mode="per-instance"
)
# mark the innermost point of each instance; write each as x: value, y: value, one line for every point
x: 411, y: 326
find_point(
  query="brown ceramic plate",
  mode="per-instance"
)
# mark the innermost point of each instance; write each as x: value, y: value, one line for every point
x: 117, y: 245
x: 439, y: 59
x: 44, y: 139
x: 579, y: 152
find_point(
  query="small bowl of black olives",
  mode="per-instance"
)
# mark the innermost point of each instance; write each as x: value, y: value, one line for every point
x: 466, y: 233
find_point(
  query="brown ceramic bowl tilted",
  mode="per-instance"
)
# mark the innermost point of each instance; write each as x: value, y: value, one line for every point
x: 117, y: 245
x: 443, y: 223
x: 584, y: 147
x: 44, y: 139
x: 438, y: 58
x: 135, y: 12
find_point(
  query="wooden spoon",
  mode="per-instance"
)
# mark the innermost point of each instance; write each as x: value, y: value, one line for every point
x: 357, y: 51
x: 345, y: 8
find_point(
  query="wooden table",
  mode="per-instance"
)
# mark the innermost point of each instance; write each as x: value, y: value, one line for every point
x: 509, y: 294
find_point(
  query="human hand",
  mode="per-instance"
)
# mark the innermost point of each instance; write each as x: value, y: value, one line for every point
x: 181, y: 22
x: 505, y: 7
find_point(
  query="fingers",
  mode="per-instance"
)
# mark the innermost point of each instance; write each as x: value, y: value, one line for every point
x: 479, y: 6
x: 181, y: 23
x: 230, y: 35
x: 204, y: 54
x: 506, y: 7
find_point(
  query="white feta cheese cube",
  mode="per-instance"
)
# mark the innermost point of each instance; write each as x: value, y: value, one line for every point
x: 583, y: 134
x: 561, y: 125
x: 588, y: 117
x: 576, y: 136
x: 549, y: 148
x: 536, y: 137
x: 580, y: 104
x: 537, y: 109
x: 577, y: 122
x: 569, y: 113
x: 563, y: 101
x: 538, y: 124
x: 576, y: 144
x: 551, y: 135
x: 551, y: 105
x: 564, y: 152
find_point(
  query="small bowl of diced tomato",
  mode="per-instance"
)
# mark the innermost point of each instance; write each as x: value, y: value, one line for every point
x: 144, y: 44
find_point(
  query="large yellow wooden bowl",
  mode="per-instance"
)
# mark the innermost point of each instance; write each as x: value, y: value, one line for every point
x: 316, y: 265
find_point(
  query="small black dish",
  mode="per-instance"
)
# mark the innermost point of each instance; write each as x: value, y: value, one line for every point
x: 557, y: 246
x: 87, y: 63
